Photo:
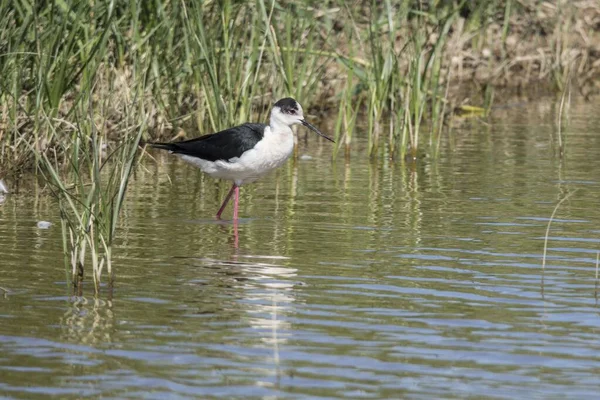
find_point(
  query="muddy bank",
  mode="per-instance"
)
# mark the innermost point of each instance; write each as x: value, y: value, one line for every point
x: 548, y: 43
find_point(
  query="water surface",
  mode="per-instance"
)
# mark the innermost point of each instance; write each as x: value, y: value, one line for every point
x: 345, y: 279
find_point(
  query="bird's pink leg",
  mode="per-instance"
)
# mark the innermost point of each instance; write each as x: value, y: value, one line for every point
x: 236, y: 203
x: 233, y: 188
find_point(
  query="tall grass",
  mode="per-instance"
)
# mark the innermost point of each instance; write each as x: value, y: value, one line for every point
x: 88, y: 173
x: 90, y: 191
x: 72, y: 111
x: 405, y: 92
x: 208, y: 65
x: 546, y: 236
x: 596, y: 279
x: 565, y: 102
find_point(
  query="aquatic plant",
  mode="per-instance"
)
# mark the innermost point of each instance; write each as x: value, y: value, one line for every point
x: 89, y: 178
x: 565, y: 102
x: 547, y: 235
x: 596, y: 279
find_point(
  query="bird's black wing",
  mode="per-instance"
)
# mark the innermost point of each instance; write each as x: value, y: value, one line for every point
x: 223, y: 145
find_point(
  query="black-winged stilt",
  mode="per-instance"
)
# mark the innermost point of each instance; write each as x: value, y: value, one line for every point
x: 244, y: 153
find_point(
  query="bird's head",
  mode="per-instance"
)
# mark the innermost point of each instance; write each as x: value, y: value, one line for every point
x: 289, y: 112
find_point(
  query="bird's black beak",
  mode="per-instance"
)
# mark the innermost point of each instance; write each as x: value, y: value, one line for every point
x: 314, y: 129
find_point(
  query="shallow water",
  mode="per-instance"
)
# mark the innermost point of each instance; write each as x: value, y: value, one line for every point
x: 343, y: 279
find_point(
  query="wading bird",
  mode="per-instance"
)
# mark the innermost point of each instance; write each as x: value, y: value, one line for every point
x: 244, y: 153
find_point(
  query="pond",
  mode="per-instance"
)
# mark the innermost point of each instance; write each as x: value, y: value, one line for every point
x: 343, y: 279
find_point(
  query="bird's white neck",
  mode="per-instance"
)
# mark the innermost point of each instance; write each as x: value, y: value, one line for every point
x: 279, y: 127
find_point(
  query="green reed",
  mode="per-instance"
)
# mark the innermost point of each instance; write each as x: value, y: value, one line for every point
x: 89, y: 174
x: 76, y: 121
x: 347, y: 114
x: 216, y: 64
x: 382, y: 67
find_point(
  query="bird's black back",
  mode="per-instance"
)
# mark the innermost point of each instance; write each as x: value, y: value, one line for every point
x: 223, y: 145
